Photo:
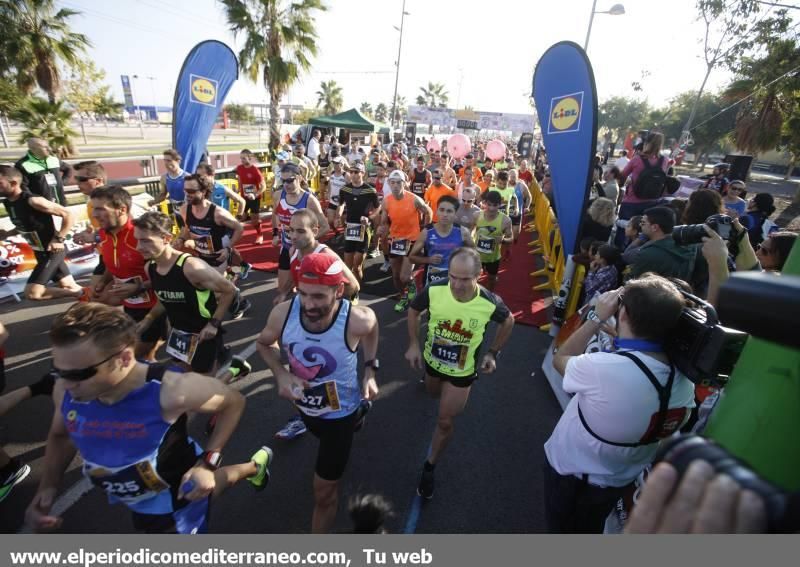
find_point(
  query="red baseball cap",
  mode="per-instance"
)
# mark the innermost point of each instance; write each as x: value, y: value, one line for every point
x: 322, y: 269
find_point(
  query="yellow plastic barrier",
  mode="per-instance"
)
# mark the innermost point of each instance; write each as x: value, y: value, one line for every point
x: 233, y: 185
x: 266, y: 196
x: 164, y: 207
x: 575, y: 290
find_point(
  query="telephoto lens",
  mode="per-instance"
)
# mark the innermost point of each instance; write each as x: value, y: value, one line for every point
x: 687, y: 234
x: 783, y: 510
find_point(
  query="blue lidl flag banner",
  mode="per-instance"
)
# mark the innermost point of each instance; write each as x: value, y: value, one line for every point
x: 208, y: 73
x: 566, y: 102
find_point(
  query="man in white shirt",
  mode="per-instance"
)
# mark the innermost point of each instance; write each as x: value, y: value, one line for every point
x: 624, y: 402
x: 313, y: 146
x: 622, y: 160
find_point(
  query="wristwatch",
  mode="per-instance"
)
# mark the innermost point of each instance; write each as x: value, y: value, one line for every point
x: 594, y: 317
x: 58, y: 238
x: 211, y: 459
x: 214, y: 322
x: 493, y: 352
x: 375, y: 364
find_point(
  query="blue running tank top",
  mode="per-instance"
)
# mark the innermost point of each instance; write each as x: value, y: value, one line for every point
x: 219, y: 197
x: 435, y: 243
x: 175, y: 187
x: 325, y: 361
x: 520, y: 196
x: 284, y: 212
x: 129, y: 451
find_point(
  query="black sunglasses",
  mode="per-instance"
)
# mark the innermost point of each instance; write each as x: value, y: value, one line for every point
x: 83, y: 178
x: 82, y: 374
x: 287, y: 180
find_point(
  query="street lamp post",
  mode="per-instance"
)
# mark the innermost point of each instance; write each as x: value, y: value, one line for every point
x: 615, y: 10
x: 397, y: 72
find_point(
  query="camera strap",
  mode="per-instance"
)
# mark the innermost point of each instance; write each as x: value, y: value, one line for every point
x: 664, y: 393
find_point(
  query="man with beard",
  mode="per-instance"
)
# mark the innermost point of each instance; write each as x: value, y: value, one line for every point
x: 320, y: 333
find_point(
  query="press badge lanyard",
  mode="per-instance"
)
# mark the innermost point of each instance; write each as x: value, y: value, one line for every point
x: 638, y: 344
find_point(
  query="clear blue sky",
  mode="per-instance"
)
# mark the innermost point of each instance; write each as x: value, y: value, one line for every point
x: 484, y: 57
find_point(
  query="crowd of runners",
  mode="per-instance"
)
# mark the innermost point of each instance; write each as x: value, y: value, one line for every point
x: 169, y: 278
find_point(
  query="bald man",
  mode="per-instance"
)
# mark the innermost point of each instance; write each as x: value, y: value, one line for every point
x: 41, y: 174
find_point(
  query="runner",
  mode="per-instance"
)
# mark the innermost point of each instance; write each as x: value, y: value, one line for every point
x: 492, y: 230
x: 436, y: 191
x: 127, y: 419
x: 468, y: 212
x: 449, y: 176
x: 305, y: 162
x: 400, y: 220
x: 32, y: 217
x: 222, y: 197
x: 90, y: 175
x: 303, y: 230
x: 469, y: 163
x: 459, y: 313
x: 251, y: 186
x: 290, y: 199
x: 171, y: 183
x: 360, y: 202
x: 467, y: 182
x: 421, y: 178
x: 318, y: 326
x: 125, y: 280
x: 438, y: 240
x: 336, y: 180
x: 524, y: 198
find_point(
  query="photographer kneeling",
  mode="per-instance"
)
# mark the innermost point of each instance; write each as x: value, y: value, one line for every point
x: 624, y: 402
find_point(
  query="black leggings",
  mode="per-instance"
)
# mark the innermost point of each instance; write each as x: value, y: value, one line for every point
x: 335, y: 440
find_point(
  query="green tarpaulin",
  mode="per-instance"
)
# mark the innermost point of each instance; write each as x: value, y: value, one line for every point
x: 349, y: 119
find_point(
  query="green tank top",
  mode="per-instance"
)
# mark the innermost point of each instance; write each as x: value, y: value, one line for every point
x: 455, y: 330
x: 485, y: 234
x: 510, y: 205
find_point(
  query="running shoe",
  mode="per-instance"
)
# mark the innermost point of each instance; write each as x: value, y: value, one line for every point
x: 362, y: 411
x: 412, y: 290
x: 425, y: 488
x: 373, y: 253
x: 244, y: 270
x: 262, y: 459
x: 240, y: 364
x: 293, y: 428
x: 386, y: 266
x: 259, y: 241
x: 13, y: 480
x: 401, y: 305
x: 244, y: 306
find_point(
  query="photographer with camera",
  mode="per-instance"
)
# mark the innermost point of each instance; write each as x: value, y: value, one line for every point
x: 625, y: 402
x: 661, y: 254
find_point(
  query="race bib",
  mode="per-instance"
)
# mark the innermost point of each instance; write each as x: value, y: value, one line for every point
x: 204, y: 244
x: 50, y: 179
x: 449, y: 354
x: 33, y: 240
x: 249, y: 190
x: 485, y: 245
x: 399, y: 247
x: 182, y: 345
x: 128, y: 484
x: 138, y: 299
x: 355, y: 232
x: 418, y: 189
x: 436, y: 275
x: 320, y: 399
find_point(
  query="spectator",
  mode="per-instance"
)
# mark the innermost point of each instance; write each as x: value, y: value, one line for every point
x: 735, y: 206
x: 773, y: 252
x: 611, y: 427
x: 585, y: 256
x: 660, y: 254
x: 702, y: 204
x: 634, y: 240
x: 603, y: 275
x: 679, y: 206
x: 649, y: 156
x: 611, y: 187
x: 756, y: 221
x: 599, y: 219
x: 41, y: 172
x: 622, y: 160
x: 314, y: 146
x: 718, y: 181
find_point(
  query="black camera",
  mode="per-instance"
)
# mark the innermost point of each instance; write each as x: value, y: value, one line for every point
x: 700, y: 347
x: 782, y: 508
x: 686, y: 234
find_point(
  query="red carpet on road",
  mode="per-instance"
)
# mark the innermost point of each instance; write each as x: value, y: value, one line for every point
x: 263, y: 257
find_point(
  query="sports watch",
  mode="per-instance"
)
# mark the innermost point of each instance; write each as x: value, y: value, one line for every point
x: 375, y: 364
x: 211, y: 459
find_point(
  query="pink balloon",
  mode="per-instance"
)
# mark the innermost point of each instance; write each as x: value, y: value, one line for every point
x: 495, y: 150
x: 434, y: 145
x: 458, y: 146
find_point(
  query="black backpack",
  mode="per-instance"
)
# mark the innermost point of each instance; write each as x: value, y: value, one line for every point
x: 651, y: 182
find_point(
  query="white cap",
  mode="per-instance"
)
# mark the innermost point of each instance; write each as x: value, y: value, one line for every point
x: 397, y: 174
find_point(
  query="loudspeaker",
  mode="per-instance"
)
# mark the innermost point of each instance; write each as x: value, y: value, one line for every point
x: 525, y: 145
x: 411, y: 133
x: 740, y: 166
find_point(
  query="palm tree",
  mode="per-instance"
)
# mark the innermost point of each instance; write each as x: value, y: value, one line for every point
x: 36, y: 39
x: 49, y: 121
x: 365, y: 109
x: 433, y: 96
x: 106, y: 107
x: 400, y: 109
x: 329, y: 97
x: 381, y: 112
x: 279, y: 38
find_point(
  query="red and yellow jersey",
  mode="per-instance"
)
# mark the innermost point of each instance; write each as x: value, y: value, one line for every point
x: 125, y: 263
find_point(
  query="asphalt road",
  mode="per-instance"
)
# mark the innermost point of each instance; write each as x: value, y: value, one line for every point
x: 489, y: 480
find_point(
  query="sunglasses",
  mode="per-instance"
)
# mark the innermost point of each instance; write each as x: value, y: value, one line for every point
x: 83, y: 178
x: 191, y: 191
x: 288, y: 180
x: 467, y: 200
x: 82, y: 374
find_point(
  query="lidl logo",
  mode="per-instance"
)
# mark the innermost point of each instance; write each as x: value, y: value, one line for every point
x: 565, y: 113
x: 72, y: 415
x: 204, y: 91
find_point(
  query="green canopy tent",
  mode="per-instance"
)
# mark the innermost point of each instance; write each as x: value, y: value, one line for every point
x: 349, y: 120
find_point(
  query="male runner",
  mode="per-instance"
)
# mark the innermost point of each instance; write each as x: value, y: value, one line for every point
x: 125, y: 280
x: 467, y: 183
x: 510, y: 206
x: 171, y: 183
x: 437, y: 241
x: 524, y: 200
x: 459, y: 312
x: 336, y: 180
x: 320, y: 333
x: 436, y: 191
x: 400, y: 220
x: 469, y: 163
x: 492, y: 230
x: 32, y: 216
x: 421, y: 178
x: 251, y: 186
x: 468, y: 212
x: 359, y: 200
x: 128, y: 421
x: 291, y: 198
x: 194, y: 296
